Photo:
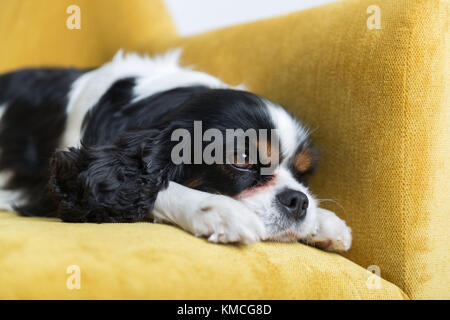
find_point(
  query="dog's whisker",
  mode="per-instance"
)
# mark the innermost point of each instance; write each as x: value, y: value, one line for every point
x: 333, y: 201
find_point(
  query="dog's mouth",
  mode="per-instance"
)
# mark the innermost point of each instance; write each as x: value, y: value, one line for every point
x: 286, y: 236
x: 283, y: 229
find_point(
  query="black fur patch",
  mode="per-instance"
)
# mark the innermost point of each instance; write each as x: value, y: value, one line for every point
x: 115, y: 113
x: 30, y: 128
x: 108, y: 184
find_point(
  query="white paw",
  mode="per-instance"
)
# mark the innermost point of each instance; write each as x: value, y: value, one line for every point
x: 222, y: 219
x: 332, y: 233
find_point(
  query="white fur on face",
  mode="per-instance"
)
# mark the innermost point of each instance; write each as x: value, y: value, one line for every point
x: 262, y: 200
x: 291, y: 133
x: 280, y: 227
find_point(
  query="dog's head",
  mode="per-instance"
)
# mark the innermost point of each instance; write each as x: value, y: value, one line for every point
x: 219, y: 141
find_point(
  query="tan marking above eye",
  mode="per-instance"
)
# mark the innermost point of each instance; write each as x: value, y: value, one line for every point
x: 268, y: 154
x: 303, y: 161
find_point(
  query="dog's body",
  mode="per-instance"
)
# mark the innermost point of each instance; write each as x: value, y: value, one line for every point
x: 118, y: 123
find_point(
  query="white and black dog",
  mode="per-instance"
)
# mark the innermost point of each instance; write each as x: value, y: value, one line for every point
x: 95, y: 146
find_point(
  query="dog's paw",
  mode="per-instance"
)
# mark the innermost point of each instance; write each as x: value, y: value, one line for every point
x: 221, y: 219
x: 332, y: 233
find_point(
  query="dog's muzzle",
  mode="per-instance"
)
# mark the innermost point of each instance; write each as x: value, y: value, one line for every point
x: 293, y: 202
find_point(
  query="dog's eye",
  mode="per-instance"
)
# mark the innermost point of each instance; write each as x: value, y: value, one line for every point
x: 244, y: 164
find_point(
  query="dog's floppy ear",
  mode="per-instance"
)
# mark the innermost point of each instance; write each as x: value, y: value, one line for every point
x: 117, y: 183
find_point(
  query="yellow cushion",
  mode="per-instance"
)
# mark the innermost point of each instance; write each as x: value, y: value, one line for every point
x: 35, y: 33
x: 378, y: 103
x: 144, y: 260
x: 377, y: 100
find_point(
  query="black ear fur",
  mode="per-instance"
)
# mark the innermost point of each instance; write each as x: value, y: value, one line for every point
x: 117, y: 183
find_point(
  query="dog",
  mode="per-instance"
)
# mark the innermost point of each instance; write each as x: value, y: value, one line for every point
x: 97, y: 145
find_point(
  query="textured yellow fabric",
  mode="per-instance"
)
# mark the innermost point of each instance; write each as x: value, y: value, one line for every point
x: 378, y: 103
x: 377, y: 100
x: 144, y: 260
x: 34, y: 32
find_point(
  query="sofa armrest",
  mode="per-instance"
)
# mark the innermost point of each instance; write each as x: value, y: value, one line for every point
x: 35, y: 33
x: 377, y: 101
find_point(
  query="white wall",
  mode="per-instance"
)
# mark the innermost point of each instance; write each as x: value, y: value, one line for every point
x: 197, y: 16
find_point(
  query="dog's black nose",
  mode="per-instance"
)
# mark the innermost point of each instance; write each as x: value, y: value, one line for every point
x: 294, y: 202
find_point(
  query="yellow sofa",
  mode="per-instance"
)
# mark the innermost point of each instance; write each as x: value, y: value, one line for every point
x: 377, y: 100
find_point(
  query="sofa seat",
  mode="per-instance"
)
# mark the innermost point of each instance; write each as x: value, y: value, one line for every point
x: 155, y: 261
x: 376, y: 100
